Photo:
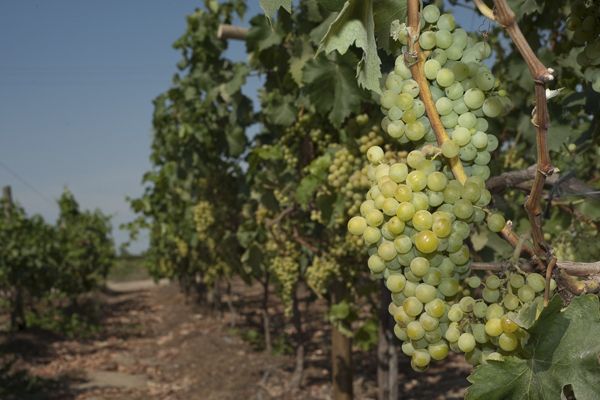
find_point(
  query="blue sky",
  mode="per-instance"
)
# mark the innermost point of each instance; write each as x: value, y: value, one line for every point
x: 77, y: 79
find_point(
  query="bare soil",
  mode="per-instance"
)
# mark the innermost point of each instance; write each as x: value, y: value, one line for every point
x: 155, y: 343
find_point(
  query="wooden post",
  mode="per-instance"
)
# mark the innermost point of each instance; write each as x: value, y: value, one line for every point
x: 232, y: 32
x: 341, y: 357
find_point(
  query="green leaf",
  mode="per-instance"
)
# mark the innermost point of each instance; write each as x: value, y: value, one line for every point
x: 355, y: 25
x: 261, y: 36
x: 332, y: 5
x: 331, y: 86
x: 479, y: 238
x: 240, y: 72
x: 281, y: 110
x: 564, y: 349
x: 339, y: 311
x: 270, y: 7
x: 386, y: 11
x: 297, y: 63
x: 306, y: 189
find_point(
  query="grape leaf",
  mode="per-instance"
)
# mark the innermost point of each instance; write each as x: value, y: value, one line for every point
x: 386, y: 11
x: 304, y: 54
x: 331, y: 86
x: 355, y: 25
x: 564, y: 349
x: 270, y: 7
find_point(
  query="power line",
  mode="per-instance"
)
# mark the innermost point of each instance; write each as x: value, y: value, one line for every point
x: 24, y: 182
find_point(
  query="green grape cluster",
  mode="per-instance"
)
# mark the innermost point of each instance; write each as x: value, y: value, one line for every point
x: 182, y: 247
x: 415, y: 222
x: 463, y: 89
x: 372, y: 138
x: 321, y: 272
x: 416, y: 218
x: 287, y: 271
x: 584, y: 22
x: 203, y: 219
x: 347, y: 174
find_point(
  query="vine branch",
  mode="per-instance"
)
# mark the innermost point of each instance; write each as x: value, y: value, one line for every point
x: 415, y: 59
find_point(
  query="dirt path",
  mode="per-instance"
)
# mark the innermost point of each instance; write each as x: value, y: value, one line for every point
x: 154, y: 345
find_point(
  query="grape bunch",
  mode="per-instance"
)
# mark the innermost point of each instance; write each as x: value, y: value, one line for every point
x: 321, y: 272
x: 203, y: 219
x: 464, y: 91
x: 584, y: 22
x: 347, y: 175
x: 417, y: 218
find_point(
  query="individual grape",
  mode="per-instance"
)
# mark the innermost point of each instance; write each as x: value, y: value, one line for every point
x: 412, y: 306
x: 473, y: 281
x: 431, y: 68
x: 435, y: 308
x: 496, y: 222
x: 404, y: 101
x: 374, y: 218
x: 448, y: 287
x: 461, y: 135
x: 411, y: 87
x: 468, y: 152
x: 419, y: 266
x: 395, y: 283
x: 492, y: 107
x: 461, y: 256
x: 427, y: 40
x: 482, y: 158
x: 414, y: 330
x: 409, y: 289
x: 450, y: 149
x: 376, y: 264
x: 494, y: 311
x: 425, y: 293
x: 440, y: 56
x: 426, y: 242
x: 408, y: 349
x: 420, y: 359
x: 395, y: 226
x: 471, y: 191
x: 438, y: 350
x: 445, y: 77
x: 420, y: 201
x: 482, y: 171
x: 398, y: 172
x: 396, y: 129
x: 466, y: 342
x: 454, y: 91
x: 526, y: 294
x: 536, y: 282
x: 484, y: 79
x: 387, y: 251
x: 459, y: 106
x: 409, y: 116
x: 463, y: 209
x: 415, y: 130
x: 460, y: 38
x: 403, y: 193
x: 446, y: 22
x: 455, y: 314
x: 435, y: 199
x: 357, y: 225
x: 474, y: 98
x: 454, y: 53
x: 418, y: 108
x: 479, y: 140
x: 430, y: 324
x: 371, y: 235
x: 508, y: 341
x: 479, y: 333
x: 490, y: 295
x: 443, y: 39
x: 437, y: 181
x: 443, y: 106
x: 517, y: 280
x: 479, y: 309
x: 375, y: 154
x: 442, y: 227
x: 390, y: 205
x: 508, y: 325
x: 405, y: 211
x: 452, y: 333
x: 467, y: 120
x: 387, y: 99
x: 433, y: 277
x: 417, y: 180
x: 431, y: 13
x: 493, y: 327
x: 400, y: 333
x: 494, y: 356
x: 493, y: 282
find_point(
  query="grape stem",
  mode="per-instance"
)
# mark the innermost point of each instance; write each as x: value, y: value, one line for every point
x: 415, y: 59
x: 505, y: 16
